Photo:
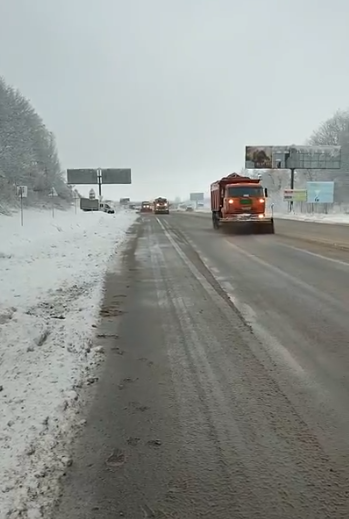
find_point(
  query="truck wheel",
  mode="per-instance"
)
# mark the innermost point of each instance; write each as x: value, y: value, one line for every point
x: 269, y: 228
x: 215, y: 222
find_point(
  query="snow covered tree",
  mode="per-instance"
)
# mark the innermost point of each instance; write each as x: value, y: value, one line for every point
x: 28, y: 153
x: 335, y: 132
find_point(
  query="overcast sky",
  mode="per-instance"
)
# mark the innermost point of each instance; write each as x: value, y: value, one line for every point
x: 175, y: 89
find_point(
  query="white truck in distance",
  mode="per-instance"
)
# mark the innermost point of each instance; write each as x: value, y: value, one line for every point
x: 88, y: 204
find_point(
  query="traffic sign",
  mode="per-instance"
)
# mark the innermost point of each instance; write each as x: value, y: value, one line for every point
x: 320, y: 192
x: 116, y: 176
x: 295, y: 195
x: 22, y: 191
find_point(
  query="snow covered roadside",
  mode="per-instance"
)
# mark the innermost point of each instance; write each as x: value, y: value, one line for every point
x: 51, y: 281
x: 315, y: 217
x: 336, y: 218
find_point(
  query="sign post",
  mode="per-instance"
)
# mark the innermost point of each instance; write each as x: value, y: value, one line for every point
x: 76, y: 198
x: 52, y: 194
x: 22, y: 192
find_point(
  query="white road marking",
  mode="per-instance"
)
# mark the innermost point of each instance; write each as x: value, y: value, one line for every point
x: 316, y: 255
x: 248, y: 314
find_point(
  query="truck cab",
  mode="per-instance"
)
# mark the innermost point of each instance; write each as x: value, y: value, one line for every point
x: 146, y: 207
x: 243, y: 199
x: 161, y: 206
x: 240, y: 202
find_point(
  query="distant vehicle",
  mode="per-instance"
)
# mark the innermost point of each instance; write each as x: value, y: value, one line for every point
x: 240, y: 203
x: 124, y: 202
x: 161, y: 206
x: 189, y: 209
x: 146, y: 207
x: 106, y: 208
x: 89, y: 204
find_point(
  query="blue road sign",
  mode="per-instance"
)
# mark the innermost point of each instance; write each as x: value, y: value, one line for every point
x: 320, y: 192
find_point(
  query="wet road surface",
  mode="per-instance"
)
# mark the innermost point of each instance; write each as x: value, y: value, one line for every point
x: 225, y: 392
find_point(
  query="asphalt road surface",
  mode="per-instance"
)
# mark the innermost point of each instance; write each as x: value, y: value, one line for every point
x: 225, y: 393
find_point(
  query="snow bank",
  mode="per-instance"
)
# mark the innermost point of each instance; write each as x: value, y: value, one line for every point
x: 305, y: 217
x: 315, y: 217
x: 51, y: 279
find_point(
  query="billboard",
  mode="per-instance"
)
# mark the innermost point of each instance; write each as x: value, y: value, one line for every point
x: 116, y: 176
x: 197, y: 197
x: 314, y: 157
x: 259, y: 157
x: 82, y: 176
x: 320, y: 192
x: 293, y: 157
x: 295, y: 195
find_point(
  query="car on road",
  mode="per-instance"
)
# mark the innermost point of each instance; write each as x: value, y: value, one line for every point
x: 146, y: 207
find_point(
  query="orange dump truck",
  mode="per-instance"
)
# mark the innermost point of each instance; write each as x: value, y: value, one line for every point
x: 240, y: 203
x: 161, y: 206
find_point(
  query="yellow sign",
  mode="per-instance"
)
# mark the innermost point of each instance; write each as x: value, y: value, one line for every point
x: 295, y: 195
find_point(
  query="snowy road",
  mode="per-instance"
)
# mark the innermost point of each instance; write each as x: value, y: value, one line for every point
x: 51, y: 278
x: 211, y: 409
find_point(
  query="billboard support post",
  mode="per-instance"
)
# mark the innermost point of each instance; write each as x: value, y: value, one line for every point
x: 292, y: 187
x: 99, y: 179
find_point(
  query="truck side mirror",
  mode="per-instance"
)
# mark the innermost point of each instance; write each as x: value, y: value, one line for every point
x: 266, y: 192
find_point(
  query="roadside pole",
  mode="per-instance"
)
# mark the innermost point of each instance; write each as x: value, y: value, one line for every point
x: 21, y: 208
x: 292, y: 187
x: 52, y: 194
x: 22, y: 192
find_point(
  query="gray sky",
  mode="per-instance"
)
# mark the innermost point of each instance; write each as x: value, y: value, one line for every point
x: 175, y: 89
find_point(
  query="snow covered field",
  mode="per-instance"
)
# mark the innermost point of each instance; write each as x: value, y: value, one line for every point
x: 51, y: 280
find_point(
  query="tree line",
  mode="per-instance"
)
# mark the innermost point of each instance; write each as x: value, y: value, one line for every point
x: 28, y: 153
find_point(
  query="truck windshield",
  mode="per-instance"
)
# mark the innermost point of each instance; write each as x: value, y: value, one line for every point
x: 245, y: 191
